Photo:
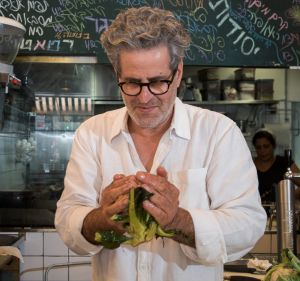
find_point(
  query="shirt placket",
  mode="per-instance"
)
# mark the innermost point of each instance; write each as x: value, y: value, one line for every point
x: 133, y: 153
x: 162, y: 151
x: 143, y: 263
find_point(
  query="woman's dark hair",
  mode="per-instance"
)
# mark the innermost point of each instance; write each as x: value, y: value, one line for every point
x: 264, y: 134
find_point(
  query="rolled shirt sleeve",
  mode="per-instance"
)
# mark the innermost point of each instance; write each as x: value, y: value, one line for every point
x: 234, y: 219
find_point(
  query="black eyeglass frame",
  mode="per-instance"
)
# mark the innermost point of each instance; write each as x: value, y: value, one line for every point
x: 169, y: 82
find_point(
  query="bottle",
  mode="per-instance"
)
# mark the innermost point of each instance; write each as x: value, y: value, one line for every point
x: 285, y: 211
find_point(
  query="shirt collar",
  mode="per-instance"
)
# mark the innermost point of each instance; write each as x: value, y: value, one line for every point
x: 119, y: 123
x: 180, y: 125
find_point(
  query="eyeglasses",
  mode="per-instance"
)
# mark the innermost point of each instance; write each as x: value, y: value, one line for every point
x: 158, y: 87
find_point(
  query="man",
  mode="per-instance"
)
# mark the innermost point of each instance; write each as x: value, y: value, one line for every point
x: 194, y: 161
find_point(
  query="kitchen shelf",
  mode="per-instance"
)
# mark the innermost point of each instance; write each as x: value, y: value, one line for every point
x: 232, y: 102
x: 219, y: 102
x: 108, y: 102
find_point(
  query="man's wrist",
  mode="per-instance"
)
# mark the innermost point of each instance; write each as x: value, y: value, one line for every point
x: 183, y: 227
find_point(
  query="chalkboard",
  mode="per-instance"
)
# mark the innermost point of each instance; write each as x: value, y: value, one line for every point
x: 261, y: 33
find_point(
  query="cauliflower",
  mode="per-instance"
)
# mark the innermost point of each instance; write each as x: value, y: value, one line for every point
x: 281, y: 272
x: 287, y: 270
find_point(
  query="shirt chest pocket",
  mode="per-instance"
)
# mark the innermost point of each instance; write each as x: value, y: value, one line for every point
x: 192, y: 186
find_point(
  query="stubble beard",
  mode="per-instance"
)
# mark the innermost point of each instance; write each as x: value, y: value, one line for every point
x: 150, y: 122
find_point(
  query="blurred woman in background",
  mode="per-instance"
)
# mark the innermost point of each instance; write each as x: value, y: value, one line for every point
x: 270, y: 167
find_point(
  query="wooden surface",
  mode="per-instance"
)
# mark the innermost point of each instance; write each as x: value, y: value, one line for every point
x: 228, y: 274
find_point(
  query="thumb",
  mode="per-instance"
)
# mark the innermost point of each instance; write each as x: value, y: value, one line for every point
x: 118, y: 176
x: 162, y: 172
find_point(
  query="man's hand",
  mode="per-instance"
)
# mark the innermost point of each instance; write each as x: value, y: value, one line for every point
x: 114, y: 200
x: 164, y: 206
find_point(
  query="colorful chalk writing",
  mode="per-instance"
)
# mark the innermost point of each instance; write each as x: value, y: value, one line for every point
x: 224, y: 32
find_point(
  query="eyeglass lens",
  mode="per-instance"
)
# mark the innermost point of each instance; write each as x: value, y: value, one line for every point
x: 155, y: 87
x: 158, y: 87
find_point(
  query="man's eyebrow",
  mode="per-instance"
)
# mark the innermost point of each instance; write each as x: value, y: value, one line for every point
x: 154, y: 78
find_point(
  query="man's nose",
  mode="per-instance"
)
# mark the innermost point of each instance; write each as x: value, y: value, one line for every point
x: 145, y: 94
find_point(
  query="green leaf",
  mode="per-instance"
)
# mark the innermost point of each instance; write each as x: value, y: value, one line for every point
x: 163, y: 233
x: 295, y: 262
x: 284, y: 256
x: 110, y: 239
x: 141, y: 226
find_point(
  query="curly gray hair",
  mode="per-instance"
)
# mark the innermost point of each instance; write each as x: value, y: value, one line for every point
x: 145, y: 28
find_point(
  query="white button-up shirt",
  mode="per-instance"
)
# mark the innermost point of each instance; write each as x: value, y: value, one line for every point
x: 206, y: 157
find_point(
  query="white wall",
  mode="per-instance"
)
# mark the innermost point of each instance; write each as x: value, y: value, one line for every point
x: 293, y: 84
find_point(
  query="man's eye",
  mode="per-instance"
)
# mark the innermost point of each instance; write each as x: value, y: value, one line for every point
x: 132, y: 84
x: 157, y: 83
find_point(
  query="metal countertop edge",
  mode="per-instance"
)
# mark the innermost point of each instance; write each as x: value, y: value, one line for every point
x: 20, y: 230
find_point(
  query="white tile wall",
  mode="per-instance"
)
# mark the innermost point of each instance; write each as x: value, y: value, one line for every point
x: 80, y: 272
x: 43, y: 249
x: 57, y: 273
x: 33, y: 244
x: 32, y: 268
x: 53, y: 245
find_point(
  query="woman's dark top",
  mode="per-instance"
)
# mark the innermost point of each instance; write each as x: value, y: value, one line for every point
x: 269, y: 179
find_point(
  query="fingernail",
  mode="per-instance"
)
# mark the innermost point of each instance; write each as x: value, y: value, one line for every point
x: 118, y: 176
x: 140, y: 175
